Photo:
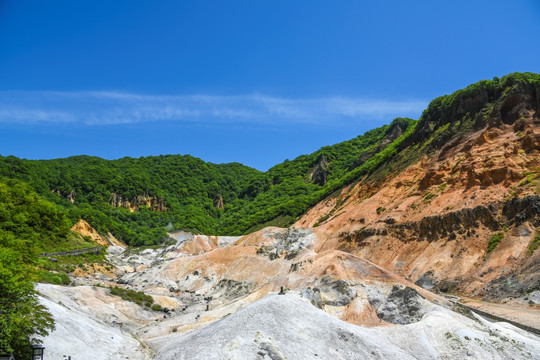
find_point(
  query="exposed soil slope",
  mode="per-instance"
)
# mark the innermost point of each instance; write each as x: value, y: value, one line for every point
x: 463, y: 217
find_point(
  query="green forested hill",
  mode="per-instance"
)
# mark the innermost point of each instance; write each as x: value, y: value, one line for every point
x: 191, y: 188
x: 232, y: 199
x: 28, y: 225
x: 286, y: 190
x: 188, y: 185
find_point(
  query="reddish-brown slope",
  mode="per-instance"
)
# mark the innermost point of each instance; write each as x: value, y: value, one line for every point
x: 432, y: 221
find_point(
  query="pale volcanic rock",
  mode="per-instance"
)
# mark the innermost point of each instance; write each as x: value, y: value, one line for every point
x: 264, y: 262
x: 199, y: 244
x: 223, y: 304
x: 97, y: 301
x: 91, y: 324
x: 289, y: 327
x: 83, y: 337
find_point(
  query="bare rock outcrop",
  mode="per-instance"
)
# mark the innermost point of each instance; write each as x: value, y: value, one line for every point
x: 82, y: 227
x: 519, y: 210
x: 319, y: 174
x: 70, y: 196
x: 218, y: 202
x: 403, y: 305
x: 530, y: 142
x: 153, y: 202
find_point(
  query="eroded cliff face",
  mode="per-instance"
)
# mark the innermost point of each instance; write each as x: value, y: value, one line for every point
x: 153, y: 202
x: 434, y: 221
x: 69, y: 196
x: 83, y: 228
x: 319, y: 174
x: 219, y: 203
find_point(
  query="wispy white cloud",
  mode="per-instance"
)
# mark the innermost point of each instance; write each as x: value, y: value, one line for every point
x: 101, y: 108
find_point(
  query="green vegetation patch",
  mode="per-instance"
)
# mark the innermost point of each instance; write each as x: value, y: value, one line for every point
x: 494, y: 241
x: 138, y: 297
x: 527, y: 181
x: 428, y: 196
x: 280, y: 221
x: 28, y: 225
x: 534, y: 244
x: 68, y: 264
x: 56, y: 278
x: 322, y: 219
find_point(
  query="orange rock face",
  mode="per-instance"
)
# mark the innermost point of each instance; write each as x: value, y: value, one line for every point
x: 84, y: 228
x: 432, y: 222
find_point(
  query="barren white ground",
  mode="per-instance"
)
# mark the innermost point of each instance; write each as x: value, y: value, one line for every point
x: 92, y: 324
x: 278, y: 327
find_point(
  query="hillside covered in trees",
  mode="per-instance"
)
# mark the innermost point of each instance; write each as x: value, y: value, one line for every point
x: 138, y: 200
x: 116, y: 195
x: 28, y: 226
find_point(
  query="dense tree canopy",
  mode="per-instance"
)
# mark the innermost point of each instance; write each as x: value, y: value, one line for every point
x: 190, y: 188
x: 28, y: 225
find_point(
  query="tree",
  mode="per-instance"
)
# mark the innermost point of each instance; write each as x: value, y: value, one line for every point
x: 21, y: 315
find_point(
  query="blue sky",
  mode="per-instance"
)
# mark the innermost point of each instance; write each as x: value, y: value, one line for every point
x: 249, y: 81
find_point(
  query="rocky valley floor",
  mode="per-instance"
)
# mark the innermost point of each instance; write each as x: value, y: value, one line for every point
x: 220, y: 299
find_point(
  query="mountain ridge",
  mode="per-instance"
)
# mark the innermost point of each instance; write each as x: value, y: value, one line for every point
x: 250, y: 199
x: 190, y: 187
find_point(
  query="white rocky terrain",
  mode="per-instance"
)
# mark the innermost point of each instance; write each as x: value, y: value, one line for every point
x: 221, y: 301
x: 289, y: 327
x: 84, y: 329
